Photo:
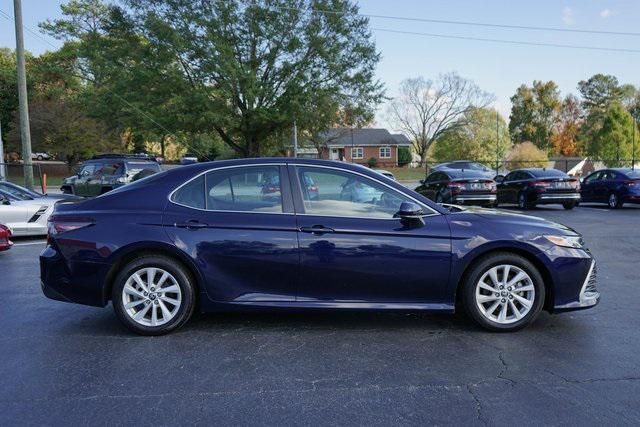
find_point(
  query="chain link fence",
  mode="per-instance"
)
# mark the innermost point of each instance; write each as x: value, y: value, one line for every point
x: 45, y: 174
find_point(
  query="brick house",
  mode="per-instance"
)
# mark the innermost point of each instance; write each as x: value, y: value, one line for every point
x: 359, y: 145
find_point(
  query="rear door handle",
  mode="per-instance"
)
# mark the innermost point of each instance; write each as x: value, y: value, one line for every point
x: 316, y: 229
x: 191, y: 225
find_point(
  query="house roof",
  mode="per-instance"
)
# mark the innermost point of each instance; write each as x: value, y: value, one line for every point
x: 341, y: 137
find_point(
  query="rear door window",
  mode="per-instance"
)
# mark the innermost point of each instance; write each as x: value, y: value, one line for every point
x: 246, y: 189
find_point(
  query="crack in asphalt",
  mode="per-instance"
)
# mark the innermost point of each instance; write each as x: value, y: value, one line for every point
x: 478, y: 405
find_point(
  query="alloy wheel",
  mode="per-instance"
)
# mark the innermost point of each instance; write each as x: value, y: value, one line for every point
x: 151, y: 296
x: 613, y: 200
x: 505, y: 294
x: 522, y: 201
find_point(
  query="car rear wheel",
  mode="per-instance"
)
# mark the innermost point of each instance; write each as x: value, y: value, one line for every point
x: 569, y: 205
x: 614, y: 201
x: 523, y: 203
x: 439, y: 198
x: 503, y: 292
x: 153, y: 295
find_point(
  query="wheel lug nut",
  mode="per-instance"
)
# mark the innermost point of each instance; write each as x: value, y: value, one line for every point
x: 147, y: 302
x: 153, y: 289
x: 510, y: 288
x: 156, y: 302
x: 146, y: 294
x: 497, y: 294
x: 504, y: 300
x: 510, y: 296
x: 501, y: 287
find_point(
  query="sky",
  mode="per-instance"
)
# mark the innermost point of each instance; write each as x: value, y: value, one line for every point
x: 497, y: 68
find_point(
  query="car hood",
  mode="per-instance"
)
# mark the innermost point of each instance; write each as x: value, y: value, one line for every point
x: 511, y: 219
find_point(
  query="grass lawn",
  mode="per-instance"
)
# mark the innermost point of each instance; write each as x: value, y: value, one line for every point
x: 407, y: 173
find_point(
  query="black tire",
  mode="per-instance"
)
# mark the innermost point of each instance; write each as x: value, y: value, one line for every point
x: 614, y: 201
x: 523, y: 203
x: 184, y: 280
x: 471, y: 279
x: 569, y: 205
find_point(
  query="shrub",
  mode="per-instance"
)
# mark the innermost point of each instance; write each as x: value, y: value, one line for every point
x: 526, y: 155
x: 372, y: 162
x: 404, y: 156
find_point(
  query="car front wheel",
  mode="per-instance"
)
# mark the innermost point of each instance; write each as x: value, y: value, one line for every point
x: 153, y: 295
x: 503, y: 292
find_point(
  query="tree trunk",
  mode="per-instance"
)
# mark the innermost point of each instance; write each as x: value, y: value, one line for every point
x: 162, y: 145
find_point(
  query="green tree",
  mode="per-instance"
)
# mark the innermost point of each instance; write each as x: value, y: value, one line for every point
x: 526, y: 155
x: 599, y: 91
x: 613, y: 140
x: 241, y: 69
x: 475, y: 138
x: 404, y: 156
x: 534, y: 113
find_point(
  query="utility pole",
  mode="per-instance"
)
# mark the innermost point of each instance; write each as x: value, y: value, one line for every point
x: 295, y: 139
x: 3, y: 174
x: 25, y: 133
x: 497, y: 142
x: 633, y: 146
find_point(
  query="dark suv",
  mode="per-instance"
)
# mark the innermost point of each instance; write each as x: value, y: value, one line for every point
x: 103, y: 173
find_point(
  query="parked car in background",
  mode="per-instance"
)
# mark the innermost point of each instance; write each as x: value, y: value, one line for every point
x: 614, y: 187
x: 188, y: 159
x: 530, y: 187
x: 459, y: 187
x: 103, y: 173
x: 178, y: 242
x: 40, y: 156
x: 26, y: 212
x: 5, y: 238
x: 386, y: 173
x: 468, y: 165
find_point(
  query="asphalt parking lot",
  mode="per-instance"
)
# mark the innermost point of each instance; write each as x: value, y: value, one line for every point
x: 75, y: 364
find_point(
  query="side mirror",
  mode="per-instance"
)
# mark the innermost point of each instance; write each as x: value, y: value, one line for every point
x: 410, y: 213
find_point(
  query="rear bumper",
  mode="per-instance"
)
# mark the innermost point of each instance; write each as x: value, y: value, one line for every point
x: 631, y: 198
x: 557, y: 198
x: 79, y: 282
x: 473, y: 198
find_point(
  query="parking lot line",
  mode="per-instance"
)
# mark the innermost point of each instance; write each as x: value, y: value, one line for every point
x: 39, y: 242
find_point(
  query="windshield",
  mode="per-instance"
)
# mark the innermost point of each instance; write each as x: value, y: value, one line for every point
x: 18, y: 192
x: 135, y: 167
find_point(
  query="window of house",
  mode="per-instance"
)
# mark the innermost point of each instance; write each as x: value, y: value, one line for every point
x: 357, y: 153
x: 385, y: 152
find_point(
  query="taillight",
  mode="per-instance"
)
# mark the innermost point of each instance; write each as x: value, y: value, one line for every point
x: 575, y: 184
x: 632, y: 183
x: 457, y: 186
x: 61, y: 224
x: 541, y: 184
x: 313, y: 188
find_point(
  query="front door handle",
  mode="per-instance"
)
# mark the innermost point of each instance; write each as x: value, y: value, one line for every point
x: 318, y: 230
x: 191, y: 225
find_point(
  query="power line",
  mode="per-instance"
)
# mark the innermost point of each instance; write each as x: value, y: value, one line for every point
x: 469, y: 23
x: 513, y: 42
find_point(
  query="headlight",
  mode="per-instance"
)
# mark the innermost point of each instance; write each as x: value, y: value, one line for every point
x: 566, y: 241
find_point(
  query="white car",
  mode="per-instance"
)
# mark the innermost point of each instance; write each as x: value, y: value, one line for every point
x: 40, y: 156
x: 26, y: 212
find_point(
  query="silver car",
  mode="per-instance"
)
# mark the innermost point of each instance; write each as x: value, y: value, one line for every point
x: 26, y: 212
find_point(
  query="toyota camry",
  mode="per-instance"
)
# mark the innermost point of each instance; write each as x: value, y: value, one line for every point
x: 203, y: 237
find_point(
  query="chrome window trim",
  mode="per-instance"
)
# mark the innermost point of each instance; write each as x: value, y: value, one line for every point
x: 226, y: 211
x: 433, y: 212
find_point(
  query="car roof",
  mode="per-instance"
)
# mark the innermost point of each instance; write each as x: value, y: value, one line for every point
x: 538, y: 172
x: 464, y: 173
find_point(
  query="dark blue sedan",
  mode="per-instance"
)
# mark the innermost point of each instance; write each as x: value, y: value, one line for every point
x: 614, y: 187
x: 203, y: 237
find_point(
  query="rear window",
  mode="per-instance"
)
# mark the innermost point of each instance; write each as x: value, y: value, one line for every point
x: 543, y: 173
x: 135, y: 167
x: 633, y: 173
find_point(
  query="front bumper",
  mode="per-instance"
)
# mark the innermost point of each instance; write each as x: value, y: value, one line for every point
x: 589, y: 295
